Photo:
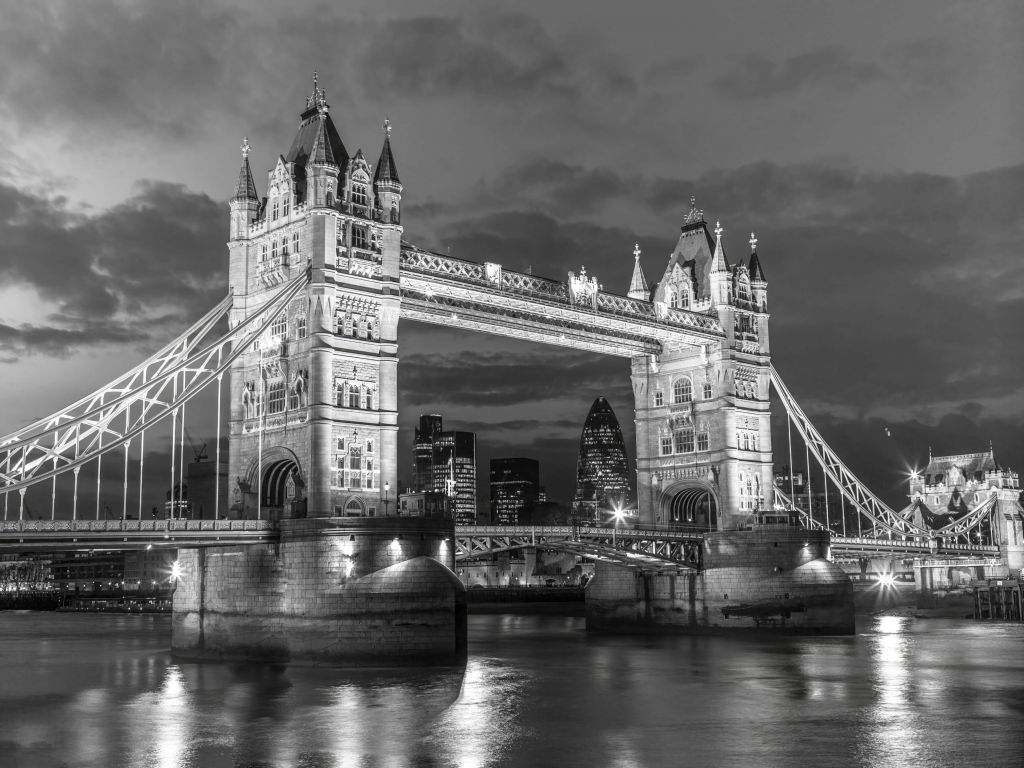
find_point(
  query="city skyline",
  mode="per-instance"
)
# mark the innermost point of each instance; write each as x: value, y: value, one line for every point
x: 878, y: 206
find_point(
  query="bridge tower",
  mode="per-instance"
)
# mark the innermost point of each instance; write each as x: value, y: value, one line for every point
x: 313, y: 424
x: 704, y: 453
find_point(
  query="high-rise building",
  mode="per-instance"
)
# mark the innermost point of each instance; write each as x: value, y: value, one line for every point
x: 454, y: 472
x: 602, y: 470
x: 515, y: 489
x: 423, y: 452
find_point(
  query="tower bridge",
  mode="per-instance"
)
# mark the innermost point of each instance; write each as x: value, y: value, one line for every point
x: 320, y: 277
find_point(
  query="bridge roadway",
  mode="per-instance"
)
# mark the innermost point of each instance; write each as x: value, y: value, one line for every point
x: 644, y: 548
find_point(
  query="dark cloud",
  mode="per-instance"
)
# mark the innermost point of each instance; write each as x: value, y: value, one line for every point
x: 502, y: 379
x: 488, y: 56
x: 155, y: 259
x: 831, y: 67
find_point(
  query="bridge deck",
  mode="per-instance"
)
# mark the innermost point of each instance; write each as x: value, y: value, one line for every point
x: 29, y: 535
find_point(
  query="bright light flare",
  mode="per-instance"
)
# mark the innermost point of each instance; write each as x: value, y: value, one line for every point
x: 175, y: 571
x: 886, y: 580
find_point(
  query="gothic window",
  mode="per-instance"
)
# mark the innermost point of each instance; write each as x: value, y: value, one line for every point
x: 263, y: 253
x: 295, y: 243
x: 330, y: 198
x: 743, y: 290
x: 702, y: 440
x: 300, y: 327
x: 739, y: 441
x: 369, y: 446
x: 286, y: 203
x: 275, y: 397
x: 273, y: 249
x: 746, y: 441
x: 682, y: 390
x: 708, y: 393
x: 359, y: 194
x: 341, y: 443
x: 673, y: 300
x: 666, y: 445
x: 284, y: 247
x: 360, y: 238
x: 353, y: 396
x: 280, y: 326
x: 276, y: 209
x: 684, y: 298
x: 293, y: 398
x: 369, y: 399
x: 394, y: 214
x: 341, y: 396
x: 687, y: 440
x: 659, y: 398
x: 355, y: 466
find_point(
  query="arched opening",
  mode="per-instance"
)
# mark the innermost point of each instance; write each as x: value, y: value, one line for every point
x: 694, y: 507
x: 354, y: 508
x: 274, y: 485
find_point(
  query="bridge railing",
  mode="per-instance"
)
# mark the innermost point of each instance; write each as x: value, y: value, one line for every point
x: 653, y: 532
x: 923, y: 545
x: 140, y: 526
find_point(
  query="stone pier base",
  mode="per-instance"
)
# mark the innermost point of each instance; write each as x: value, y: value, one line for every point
x: 767, y: 579
x: 334, y: 590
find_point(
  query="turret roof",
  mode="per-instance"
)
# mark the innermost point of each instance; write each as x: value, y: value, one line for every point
x: 321, y: 151
x: 246, y: 187
x: 386, y: 168
x: 638, y: 288
x: 756, y: 273
x: 317, y: 126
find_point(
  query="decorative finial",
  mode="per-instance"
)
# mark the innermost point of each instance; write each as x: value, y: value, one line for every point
x: 718, y: 230
x: 246, y: 149
x: 753, y: 243
x: 694, y: 215
x: 636, y: 251
x: 318, y: 98
x: 583, y: 272
x: 387, y: 126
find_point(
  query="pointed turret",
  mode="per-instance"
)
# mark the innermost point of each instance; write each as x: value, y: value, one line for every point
x: 758, y: 284
x: 245, y: 204
x: 719, y: 263
x: 385, y: 181
x: 638, y: 288
x: 756, y: 273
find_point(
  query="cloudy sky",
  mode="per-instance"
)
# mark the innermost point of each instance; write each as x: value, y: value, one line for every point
x: 877, y: 149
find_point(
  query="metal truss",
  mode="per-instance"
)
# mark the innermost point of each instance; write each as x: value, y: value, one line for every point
x: 49, y: 535
x: 446, y: 291
x: 782, y: 501
x: 641, y: 549
x: 967, y: 522
x: 869, y: 505
x: 113, y: 415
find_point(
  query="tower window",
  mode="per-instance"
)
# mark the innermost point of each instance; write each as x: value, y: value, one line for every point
x: 359, y: 195
x: 684, y: 298
x: 353, y: 396
x: 702, y: 441
x: 276, y: 209
x: 360, y: 238
x: 666, y: 445
x: 263, y: 252
x: 280, y: 326
x: 684, y: 440
x: 369, y: 399
x: 275, y: 397
x: 659, y: 398
x: 708, y: 392
x: 273, y: 249
x: 286, y: 204
x: 682, y: 390
x: 295, y: 242
x: 300, y: 327
x: 284, y: 247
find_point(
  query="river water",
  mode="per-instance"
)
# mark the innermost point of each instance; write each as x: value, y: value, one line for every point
x: 102, y: 690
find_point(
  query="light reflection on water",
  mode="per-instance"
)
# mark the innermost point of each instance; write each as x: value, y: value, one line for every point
x: 101, y: 690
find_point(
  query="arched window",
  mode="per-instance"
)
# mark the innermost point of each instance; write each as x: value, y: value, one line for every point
x: 300, y: 327
x: 682, y: 390
x: 276, y: 208
x: 295, y: 242
x: 684, y: 298
x: 666, y: 445
x: 708, y: 392
x: 273, y: 249
x: 284, y: 247
x: 702, y: 440
x: 330, y: 199
x: 673, y: 299
x: 659, y: 399
x: 353, y: 396
x: 369, y: 399
x: 359, y: 194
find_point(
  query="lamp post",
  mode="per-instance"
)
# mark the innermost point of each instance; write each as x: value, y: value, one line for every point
x: 387, y: 487
x: 616, y: 517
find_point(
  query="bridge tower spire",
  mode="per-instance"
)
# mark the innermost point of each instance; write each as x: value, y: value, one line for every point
x: 638, y: 288
x: 246, y: 203
x: 704, y: 453
x: 314, y: 405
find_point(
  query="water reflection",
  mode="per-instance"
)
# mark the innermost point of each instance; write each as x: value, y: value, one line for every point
x: 535, y: 691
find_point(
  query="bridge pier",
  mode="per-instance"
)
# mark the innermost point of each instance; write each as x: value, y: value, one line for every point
x: 772, y: 578
x: 333, y: 590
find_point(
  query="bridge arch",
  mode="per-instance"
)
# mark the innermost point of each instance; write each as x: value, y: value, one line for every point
x: 280, y: 481
x: 693, y: 503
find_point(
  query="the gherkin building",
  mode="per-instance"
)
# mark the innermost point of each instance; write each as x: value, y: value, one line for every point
x: 602, y: 470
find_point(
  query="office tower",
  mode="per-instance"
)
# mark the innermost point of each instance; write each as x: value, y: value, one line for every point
x: 602, y: 470
x: 515, y: 489
x: 454, y: 472
x: 423, y: 451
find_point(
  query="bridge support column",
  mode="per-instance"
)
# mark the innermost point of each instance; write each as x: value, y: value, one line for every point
x: 333, y: 590
x: 766, y: 579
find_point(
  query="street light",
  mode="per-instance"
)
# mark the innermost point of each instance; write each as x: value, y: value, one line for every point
x: 387, y: 487
x: 617, y: 515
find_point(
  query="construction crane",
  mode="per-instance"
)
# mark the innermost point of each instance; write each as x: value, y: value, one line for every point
x: 200, y: 453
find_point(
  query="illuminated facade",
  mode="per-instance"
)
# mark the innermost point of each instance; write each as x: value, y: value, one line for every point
x: 314, y: 412
x: 454, y: 472
x: 423, y: 451
x: 515, y: 489
x: 602, y: 469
